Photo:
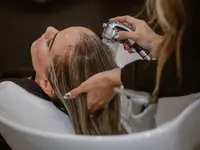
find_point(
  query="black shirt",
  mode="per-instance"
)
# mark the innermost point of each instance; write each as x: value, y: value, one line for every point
x: 140, y: 75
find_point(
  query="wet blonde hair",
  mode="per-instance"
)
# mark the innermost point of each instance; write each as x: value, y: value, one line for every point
x: 171, y: 16
x: 88, y: 57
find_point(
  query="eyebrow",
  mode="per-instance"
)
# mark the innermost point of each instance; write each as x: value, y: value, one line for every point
x: 51, y: 45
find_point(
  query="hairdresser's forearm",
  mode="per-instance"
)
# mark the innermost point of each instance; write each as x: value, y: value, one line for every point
x: 114, y: 77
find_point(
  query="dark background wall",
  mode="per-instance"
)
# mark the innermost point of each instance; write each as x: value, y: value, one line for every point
x: 22, y: 22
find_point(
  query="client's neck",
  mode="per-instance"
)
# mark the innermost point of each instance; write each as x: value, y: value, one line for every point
x: 37, y: 79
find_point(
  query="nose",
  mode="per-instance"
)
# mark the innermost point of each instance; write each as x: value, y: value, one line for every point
x: 50, y: 31
x: 50, y: 28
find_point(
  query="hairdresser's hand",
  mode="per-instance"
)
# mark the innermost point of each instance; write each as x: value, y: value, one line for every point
x: 142, y: 34
x: 99, y: 89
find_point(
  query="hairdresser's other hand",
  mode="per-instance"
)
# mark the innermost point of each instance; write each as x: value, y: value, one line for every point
x: 142, y: 34
x: 99, y: 89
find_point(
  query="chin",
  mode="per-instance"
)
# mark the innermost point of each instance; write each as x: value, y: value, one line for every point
x: 33, y: 53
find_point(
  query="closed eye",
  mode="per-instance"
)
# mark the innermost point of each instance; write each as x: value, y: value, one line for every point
x: 51, y: 41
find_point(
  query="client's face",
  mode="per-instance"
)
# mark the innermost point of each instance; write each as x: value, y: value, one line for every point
x: 51, y: 43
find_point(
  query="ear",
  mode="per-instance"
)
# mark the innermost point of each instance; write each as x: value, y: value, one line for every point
x: 46, y: 86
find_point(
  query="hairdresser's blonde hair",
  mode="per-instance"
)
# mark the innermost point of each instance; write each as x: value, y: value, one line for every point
x: 171, y: 16
x: 88, y: 57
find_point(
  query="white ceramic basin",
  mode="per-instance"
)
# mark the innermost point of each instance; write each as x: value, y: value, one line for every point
x: 39, y: 126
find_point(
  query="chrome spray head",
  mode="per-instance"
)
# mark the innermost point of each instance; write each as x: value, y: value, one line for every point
x: 110, y: 31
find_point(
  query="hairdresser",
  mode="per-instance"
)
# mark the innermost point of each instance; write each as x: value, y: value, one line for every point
x: 176, y: 70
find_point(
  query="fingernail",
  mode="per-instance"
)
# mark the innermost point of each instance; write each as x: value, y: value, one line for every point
x: 91, y: 116
x: 126, y: 47
x: 116, y: 36
x: 67, y: 96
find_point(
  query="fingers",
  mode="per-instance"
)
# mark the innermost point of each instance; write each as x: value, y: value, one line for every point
x: 126, y: 46
x: 73, y: 93
x: 101, y: 103
x: 96, y: 107
x: 76, y: 92
x: 93, y: 104
x: 128, y: 19
x: 123, y: 35
x: 83, y: 88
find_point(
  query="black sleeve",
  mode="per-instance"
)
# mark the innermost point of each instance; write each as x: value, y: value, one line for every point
x: 140, y: 75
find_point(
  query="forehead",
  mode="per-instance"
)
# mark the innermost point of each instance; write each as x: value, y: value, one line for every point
x: 68, y: 37
x: 65, y: 40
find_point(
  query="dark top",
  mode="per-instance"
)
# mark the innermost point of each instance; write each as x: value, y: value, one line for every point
x: 140, y: 75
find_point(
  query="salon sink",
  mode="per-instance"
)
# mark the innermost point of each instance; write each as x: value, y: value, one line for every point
x: 29, y: 123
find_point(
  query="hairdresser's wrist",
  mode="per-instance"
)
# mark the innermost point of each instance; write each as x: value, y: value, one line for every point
x: 114, y: 77
x: 155, y: 45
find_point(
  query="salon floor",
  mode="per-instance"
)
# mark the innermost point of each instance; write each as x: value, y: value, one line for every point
x: 23, y: 21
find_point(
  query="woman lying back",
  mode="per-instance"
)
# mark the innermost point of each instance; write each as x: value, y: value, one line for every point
x: 62, y: 61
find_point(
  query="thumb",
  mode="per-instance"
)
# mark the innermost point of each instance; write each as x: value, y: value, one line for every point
x: 124, y: 35
x: 73, y: 93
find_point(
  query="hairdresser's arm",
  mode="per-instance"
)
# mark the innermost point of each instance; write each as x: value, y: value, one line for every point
x: 139, y: 75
